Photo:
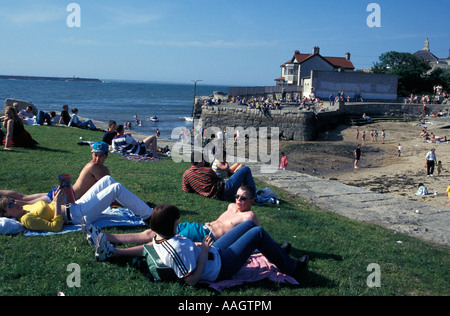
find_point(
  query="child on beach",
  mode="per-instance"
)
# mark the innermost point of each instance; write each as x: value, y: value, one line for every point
x: 284, y: 162
x: 399, y: 149
x: 448, y: 192
x: 439, y: 167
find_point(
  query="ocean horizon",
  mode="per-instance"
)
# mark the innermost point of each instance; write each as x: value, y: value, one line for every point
x: 115, y: 99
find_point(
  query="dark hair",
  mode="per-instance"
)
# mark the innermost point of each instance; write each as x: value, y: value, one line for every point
x: 119, y: 129
x: 111, y: 123
x: 163, y: 219
x: 3, y: 206
x: 194, y: 156
x: 251, y: 191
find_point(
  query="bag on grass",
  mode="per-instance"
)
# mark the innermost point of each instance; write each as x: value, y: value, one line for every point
x: 157, y: 270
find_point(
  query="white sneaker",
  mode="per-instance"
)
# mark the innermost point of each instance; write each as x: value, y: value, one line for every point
x: 103, y: 248
x: 91, y: 231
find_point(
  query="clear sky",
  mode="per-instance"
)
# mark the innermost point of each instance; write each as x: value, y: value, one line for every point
x: 226, y: 42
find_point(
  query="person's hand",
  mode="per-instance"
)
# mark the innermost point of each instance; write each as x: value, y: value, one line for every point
x: 59, y: 195
x: 207, y: 243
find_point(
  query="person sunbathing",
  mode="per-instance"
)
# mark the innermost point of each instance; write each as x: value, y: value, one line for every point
x: 32, y: 198
x: 42, y: 216
x: 215, y: 260
x: 235, y: 214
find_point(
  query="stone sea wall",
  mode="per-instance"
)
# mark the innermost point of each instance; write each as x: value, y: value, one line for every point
x: 303, y: 125
x: 292, y: 123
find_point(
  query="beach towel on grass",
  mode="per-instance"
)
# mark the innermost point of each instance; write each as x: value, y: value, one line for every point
x: 256, y: 269
x: 109, y: 218
x: 140, y: 158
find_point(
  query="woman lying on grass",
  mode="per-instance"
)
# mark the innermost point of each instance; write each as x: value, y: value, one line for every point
x: 51, y: 217
x: 215, y: 261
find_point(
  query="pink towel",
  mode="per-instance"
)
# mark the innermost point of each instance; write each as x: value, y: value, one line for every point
x: 256, y: 269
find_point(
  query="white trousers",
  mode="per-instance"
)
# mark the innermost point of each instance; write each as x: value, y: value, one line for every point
x: 100, y: 196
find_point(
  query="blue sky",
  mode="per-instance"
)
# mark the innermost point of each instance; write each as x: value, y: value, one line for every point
x: 220, y: 42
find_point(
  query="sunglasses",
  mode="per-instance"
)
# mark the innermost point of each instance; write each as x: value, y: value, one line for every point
x: 243, y: 198
x: 11, y: 203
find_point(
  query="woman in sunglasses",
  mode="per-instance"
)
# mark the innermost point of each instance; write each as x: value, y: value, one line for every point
x: 215, y: 261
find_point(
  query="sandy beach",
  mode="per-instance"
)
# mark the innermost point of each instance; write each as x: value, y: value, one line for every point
x: 381, y: 170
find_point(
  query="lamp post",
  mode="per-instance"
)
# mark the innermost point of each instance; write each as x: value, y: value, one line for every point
x: 195, y: 90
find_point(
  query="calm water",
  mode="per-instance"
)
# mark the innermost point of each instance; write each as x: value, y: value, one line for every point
x: 114, y: 100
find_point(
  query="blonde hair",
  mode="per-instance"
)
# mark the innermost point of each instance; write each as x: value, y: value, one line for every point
x: 12, y: 113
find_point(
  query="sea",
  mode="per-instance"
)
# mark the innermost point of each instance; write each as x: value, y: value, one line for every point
x: 118, y: 100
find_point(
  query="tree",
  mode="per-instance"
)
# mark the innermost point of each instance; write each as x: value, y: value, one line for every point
x: 440, y: 76
x: 411, y: 71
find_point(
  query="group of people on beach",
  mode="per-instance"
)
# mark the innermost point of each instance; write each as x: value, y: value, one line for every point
x: 196, y: 252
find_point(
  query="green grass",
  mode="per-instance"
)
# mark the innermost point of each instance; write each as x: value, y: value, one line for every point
x: 340, y: 249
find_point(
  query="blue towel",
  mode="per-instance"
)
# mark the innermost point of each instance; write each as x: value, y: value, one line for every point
x: 110, y: 217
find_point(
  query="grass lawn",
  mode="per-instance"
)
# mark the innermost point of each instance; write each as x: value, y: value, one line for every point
x: 340, y: 249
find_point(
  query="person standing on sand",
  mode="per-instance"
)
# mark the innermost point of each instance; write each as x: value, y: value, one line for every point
x: 357, y: 156
x: 363, y: 138
x: 430, y: 160
x: 448, y: 192
x: 284, y: 161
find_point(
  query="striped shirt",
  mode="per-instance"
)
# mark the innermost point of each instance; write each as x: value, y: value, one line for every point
x: 220, y: 172
x: 181, y: 254
x: 204, y: 181
x: 126, y: 144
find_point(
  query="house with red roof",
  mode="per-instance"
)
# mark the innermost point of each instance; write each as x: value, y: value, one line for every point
x: 300, y: 66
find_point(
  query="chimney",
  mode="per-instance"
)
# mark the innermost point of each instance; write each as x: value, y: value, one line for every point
x: 316, y: 50
x: 347, y: 56
x: 297, y: 52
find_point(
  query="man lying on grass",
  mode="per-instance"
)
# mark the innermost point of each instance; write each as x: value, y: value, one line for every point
x: 235, y: 214
x: 93, y: 171
x: 42, y: 216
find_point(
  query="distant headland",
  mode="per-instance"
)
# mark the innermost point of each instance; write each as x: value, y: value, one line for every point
x: 50, y: 78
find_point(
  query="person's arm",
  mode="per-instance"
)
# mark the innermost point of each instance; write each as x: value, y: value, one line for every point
x: 194, y: 277
x: 225, y: 167
x: 9, y: 134
x: 58, y: 198
x: 33, y: 222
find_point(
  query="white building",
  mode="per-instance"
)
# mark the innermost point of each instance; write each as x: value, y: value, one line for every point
x: 300, y: 66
